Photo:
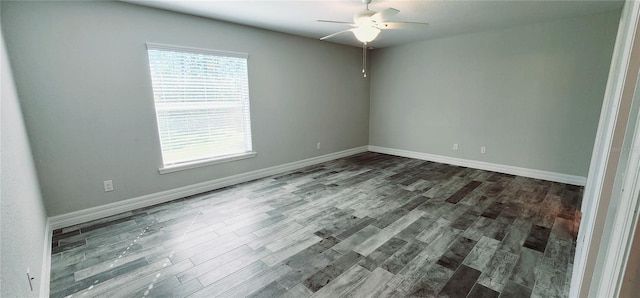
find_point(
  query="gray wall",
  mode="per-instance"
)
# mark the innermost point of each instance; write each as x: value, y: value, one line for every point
x: 22, y: 214
x: 82, y: 72
x: 530, y: 94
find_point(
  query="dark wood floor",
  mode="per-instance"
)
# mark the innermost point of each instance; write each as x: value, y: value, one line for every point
x: 369, y: 225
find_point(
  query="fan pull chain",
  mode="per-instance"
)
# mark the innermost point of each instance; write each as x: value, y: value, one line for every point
x: 364, y: 59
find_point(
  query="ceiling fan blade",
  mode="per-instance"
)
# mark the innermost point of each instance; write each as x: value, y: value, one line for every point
x: 384, y: 15
x: 401, y: 25
x: 334, y: 22
x: 334, y: 34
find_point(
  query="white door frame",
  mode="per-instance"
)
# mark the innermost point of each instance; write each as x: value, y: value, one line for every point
x: 622, y: 218
x: 599, y: 194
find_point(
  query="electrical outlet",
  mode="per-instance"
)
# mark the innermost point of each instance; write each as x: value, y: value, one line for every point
x: 455, y: 147
x: 108, y: 185
x: 483, y: 149
x: 318, y: 146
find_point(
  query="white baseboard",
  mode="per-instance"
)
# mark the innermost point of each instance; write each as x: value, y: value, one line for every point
x: 45, y: 273
x: 81, y: 216
x: 537, y: 174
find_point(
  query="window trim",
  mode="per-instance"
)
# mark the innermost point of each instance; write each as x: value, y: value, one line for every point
x: 195, y: 50
x: 170, y: 168
x: 205, y: 162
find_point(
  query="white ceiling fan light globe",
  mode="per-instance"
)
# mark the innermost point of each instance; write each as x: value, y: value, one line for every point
x: 366, y: 34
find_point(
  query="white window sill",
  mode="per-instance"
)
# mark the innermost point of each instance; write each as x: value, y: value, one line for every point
x: 205, y: 162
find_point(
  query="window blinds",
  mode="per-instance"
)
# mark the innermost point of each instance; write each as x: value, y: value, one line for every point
x: 202, y: 103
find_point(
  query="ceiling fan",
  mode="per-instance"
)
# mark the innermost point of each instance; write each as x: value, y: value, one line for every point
x: 367, y: 24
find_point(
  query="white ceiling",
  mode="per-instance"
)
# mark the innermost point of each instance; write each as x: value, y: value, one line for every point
x: 445, y: 18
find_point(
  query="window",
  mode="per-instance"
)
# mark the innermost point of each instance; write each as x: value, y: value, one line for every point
x: 202, y: 105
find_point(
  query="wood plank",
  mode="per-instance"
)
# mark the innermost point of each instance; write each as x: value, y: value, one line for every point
x: 458, y: 252
x: 524, y: 271
x: 369, y: 285
x: 200, y: 269
x: 431, y: 282
x: 368, y: 246
x: 482, y: 253
x: 355, y: 239
x: 495, y: 275
x: 461, y: 282
x: 296, y: 292
x: 260, y: 280
x: 290, y: 250
x: 214, y: 287
x: 273, y: 289
x: 313, y: 266
x: 218, y: 273
x: 320, y: 279
x: 343, y: 283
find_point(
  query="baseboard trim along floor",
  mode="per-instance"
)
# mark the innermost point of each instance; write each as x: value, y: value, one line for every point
x: 89, y: 214
x: 481, y: 165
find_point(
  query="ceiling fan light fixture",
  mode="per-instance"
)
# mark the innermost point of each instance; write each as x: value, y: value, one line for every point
x: 366, y: 34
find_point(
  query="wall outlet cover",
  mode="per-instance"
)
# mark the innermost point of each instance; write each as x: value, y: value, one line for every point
x: 108, y: 185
